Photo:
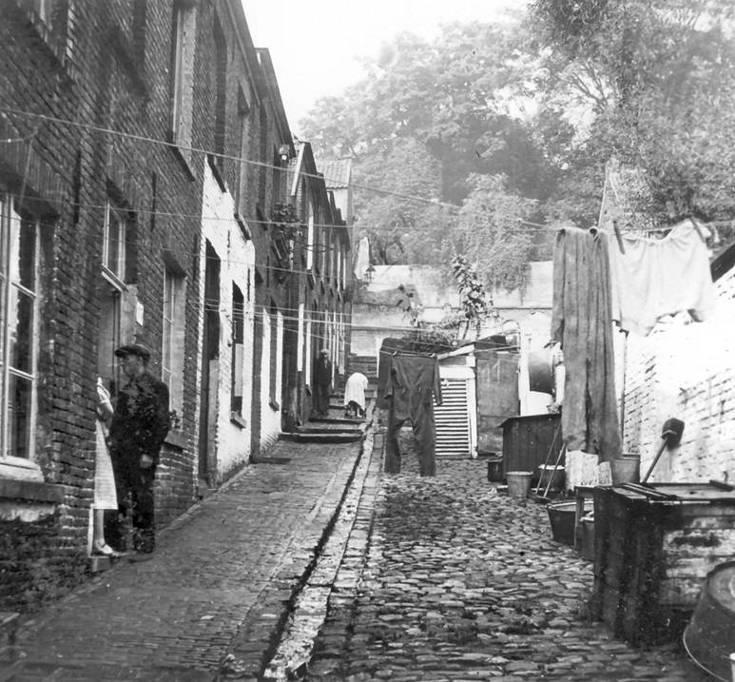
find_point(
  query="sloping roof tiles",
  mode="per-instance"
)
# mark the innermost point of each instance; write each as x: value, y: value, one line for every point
x: 336, y: 173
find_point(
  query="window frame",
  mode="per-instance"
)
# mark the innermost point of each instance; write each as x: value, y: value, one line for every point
x: 181, y: 87
x: 173, y: 333
x: 177, y: 71
x: 115, y: 276
x: 273, y: 354
x: 237, y: 379
x: 310, y: 235
x: 9, y: 213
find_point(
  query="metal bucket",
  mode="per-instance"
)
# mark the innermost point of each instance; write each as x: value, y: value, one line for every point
x: 626, y: 469
x: 551, y: 474
x: 562, y: 516
x: 709, y: 639
x: 519, y: 483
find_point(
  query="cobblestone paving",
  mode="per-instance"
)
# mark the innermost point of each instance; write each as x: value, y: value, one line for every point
x: 460, y: 582
x: 224, y: 573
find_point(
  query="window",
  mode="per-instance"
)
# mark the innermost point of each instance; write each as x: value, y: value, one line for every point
x: 310, y: 236
x: 323, y: 252
x: 19, y: 255
x: 343, y: 267
x: 308, y: 354
x: 182, y: 71
x: 277, y: 176
x: 220, y: 108
x: 273, y: 376
x: 172, y: 352
x: 238, y: 349
x: 300, y: 343
x: 263, y: 149
x: 243, y: 112
x: 114, y: 245
x: 112, y: 290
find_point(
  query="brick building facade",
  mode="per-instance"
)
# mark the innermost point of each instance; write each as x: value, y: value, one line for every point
x: 143, y: 153
x: 319, y: 303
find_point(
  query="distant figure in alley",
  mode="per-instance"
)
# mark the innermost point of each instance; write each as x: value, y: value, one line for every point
x: 354, y: 401
x: 137, y: 431
x: 323, y: 377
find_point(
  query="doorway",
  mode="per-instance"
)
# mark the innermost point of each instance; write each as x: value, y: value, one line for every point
x: 210, y: 369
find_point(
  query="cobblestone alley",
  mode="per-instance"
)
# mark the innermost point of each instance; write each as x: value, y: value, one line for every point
x: 220, y: 580
x: 460, y: 582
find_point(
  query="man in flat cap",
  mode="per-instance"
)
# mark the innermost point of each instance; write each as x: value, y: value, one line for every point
x: 323, y: 379
x: 139, y: 425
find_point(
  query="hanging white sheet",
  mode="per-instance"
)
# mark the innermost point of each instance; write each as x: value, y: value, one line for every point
x: 660, y: 277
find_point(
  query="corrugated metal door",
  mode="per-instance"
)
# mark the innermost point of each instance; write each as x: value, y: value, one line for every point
x: 452, y: 417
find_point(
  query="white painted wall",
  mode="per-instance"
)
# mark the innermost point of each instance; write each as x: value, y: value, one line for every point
x: 270, y: 417
x: 685, y: 371
x: 237, y: 256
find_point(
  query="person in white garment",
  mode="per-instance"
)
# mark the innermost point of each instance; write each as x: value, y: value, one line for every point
x: 355, y: 395
x: 105, y: 496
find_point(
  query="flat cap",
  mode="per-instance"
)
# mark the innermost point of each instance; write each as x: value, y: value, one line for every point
x: 133, y: 349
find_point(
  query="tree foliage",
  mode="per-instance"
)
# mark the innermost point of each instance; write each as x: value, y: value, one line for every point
x: 426, y: 121
x: 514, y: 123
x: 490, y: 232
x: 658, y: 81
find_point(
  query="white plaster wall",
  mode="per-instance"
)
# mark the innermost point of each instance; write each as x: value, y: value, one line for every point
x: 270, y: 418
x: 237, y: 256
x: 685, y: 371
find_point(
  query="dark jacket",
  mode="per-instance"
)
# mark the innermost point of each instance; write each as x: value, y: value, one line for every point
x: 323, y: 372
x: 141, y: 418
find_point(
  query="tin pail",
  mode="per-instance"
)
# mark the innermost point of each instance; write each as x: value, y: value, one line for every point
x: 519, y: 483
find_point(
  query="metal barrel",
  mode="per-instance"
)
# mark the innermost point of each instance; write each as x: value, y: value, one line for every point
x: 709, y: 639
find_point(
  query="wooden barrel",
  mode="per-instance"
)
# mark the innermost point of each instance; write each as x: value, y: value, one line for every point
x: 710, y: 636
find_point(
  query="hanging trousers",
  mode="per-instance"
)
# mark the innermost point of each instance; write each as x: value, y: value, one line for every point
x: 413, y: 381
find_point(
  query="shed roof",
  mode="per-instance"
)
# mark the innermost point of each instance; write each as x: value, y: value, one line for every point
x: 337, y: 174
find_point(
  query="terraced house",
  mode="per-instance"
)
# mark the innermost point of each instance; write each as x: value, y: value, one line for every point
x: 145, y: 162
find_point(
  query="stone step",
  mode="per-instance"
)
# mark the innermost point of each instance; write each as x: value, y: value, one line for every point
x: 347, y: 427
x: 347, y: 421
x: 322, y: 436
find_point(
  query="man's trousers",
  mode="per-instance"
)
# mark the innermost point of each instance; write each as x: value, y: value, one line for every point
x: 321, y: 398
x: 135, y: 497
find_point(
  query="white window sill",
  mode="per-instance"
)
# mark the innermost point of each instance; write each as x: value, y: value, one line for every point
x: 20, y: 469
x: 23, y: 493
x: 238, y: 420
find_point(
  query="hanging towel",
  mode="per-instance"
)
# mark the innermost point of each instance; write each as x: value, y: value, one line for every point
x: 582, y: 323
x: 659, y: 277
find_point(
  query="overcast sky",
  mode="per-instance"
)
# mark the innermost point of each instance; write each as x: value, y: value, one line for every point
x: 315, y: 45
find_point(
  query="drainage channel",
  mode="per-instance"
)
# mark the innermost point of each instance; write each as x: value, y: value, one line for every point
x: 310, y: 606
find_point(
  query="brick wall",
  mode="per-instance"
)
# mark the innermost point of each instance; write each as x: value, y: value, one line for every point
x: 99, y: 79
x: 35, y: 566
x: 688, y: 372
x: 108, y: 72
